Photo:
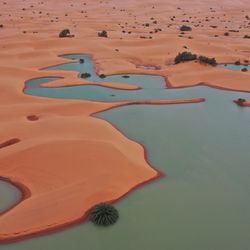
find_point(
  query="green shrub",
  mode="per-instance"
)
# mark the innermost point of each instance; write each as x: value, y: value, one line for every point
x: 85, y: 75
x: 64, y: 33
x: 207, y: 60
x: 185, y: 28
x: 241, y: 101
x: 104, y: 214
x: 244, y: 70
x: 102, y: 76
x: 81, y: 61
x: 185, y: 56
x: 103, y: 33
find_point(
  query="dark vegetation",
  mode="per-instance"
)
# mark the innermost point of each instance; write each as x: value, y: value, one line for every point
x: 207, y: 60
x: 81, y: 61
x: 188, y: 56
x: 185, y: 28
x: 65, y: 33
x: 240, y: 101
x: 104, y: 214
x: 85, y: 75
x: 103, y: 33
x: 102, y: 76
x: 244, y: 70
x: 185, y: 56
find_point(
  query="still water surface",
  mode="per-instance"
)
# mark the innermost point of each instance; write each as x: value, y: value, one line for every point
x: 203, y: 148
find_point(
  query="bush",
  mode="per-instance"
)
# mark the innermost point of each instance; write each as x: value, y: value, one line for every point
x: 104, y: 214
x: 81, y: 61
x: 226, y: 34
x: 185, y: 56
x: 103, y: 33
x: 237, y: 62
x: 207, y: 60
x: 85, y: 75
x: 185, y: 28
x: 64, y: 33
x: 241, y: 101
x: 247, y: 37
x: 102, y: 76
x: 125, y: 76
x: 244, y: 70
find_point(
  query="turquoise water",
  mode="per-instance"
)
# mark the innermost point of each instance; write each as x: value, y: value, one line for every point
x: 234, y: 67
x: 203, y: 148
x: 9, y: 195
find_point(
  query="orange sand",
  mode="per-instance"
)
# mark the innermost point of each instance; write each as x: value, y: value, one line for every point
x: 67, y: 161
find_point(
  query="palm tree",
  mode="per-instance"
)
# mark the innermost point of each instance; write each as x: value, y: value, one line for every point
x: 104, y: 214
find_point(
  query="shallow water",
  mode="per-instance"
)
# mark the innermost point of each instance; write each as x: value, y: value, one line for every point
x: 9, y: 195
x: 234, y: 67
x: 203, y: 148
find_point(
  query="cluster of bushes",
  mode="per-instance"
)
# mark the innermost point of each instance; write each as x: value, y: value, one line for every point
x: 188, y: 56
x: 103, y: 33
x: 185, y: 56
x: 207, y: 60
x: 104, y: 214
x: 185, y: 28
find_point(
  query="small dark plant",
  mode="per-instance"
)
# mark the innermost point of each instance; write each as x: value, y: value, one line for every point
x: 64, y: 33
x: 81, y: 61
x: 85, y: 75
x: 185, y: 28
x: 237, y: 62
x: 244, y: 70
x: 102, y: 76
x: 104, y: 214
x: 103, y: 33
x: 240, y: 101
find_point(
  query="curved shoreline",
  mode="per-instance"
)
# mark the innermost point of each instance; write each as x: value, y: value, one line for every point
x: 168, y: 84
x: 26, y: 193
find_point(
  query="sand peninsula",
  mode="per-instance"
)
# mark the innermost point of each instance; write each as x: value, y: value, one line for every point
x: 55, y: 151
